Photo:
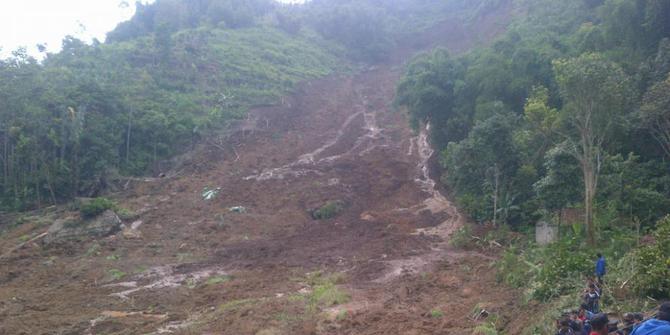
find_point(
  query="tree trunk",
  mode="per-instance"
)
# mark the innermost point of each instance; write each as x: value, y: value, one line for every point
x: 5, y: 156
x: 130, y: 118
x: 77, y: 172
x: 589, y: 192
x: 496, y: 177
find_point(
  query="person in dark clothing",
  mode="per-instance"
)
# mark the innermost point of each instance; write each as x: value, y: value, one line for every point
x: 564, y: 327
x: 575, y: 323
x: 599, y: 324
x: 658, y: 326
x: 592, y: 299
x: 630, y: 322
x: 584, y: 313
x: 601, y: 268
x: 638, y: 318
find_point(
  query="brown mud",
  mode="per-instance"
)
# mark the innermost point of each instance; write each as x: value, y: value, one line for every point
x: 193, y: 266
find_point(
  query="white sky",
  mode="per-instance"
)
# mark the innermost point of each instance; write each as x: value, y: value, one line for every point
x: 26, y: 23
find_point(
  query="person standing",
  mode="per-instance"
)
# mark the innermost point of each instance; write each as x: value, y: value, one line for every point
x: 601, y: 268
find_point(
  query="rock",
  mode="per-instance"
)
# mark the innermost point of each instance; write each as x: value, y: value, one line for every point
x: 131, y: 234
x: 71, y: 229
x: 367, y: 216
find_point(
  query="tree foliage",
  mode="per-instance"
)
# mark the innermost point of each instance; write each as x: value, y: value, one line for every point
x: 86, y: 115
x: 587, y: 82
x: 595, y: 93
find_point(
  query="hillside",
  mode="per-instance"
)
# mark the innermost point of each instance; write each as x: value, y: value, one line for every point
x: 562, y: 120
x: 338, y: 167
x: 321, y: 213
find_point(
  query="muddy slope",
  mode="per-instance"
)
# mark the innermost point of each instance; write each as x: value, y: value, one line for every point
x: 194, y: 266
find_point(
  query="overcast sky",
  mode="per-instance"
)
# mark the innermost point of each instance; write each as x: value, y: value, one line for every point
x: 31, y: 22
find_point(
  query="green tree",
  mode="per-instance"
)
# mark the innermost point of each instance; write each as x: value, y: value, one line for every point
x: 596, y: 93
x: 428, y: 91
x: 482, y: 167
x: 655, y: 114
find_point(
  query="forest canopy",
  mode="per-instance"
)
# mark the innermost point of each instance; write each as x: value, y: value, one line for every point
x: 568, y: 109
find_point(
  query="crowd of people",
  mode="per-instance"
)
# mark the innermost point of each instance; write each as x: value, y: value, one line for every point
x: 590, y: 320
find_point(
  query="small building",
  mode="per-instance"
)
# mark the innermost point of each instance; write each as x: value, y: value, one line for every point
x: 545, y: 233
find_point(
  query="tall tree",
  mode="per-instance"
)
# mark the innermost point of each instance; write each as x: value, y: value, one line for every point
x: 596, y: 93
x: 655, y: 113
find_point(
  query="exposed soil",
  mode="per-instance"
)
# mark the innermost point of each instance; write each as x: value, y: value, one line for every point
x: 193, y: 266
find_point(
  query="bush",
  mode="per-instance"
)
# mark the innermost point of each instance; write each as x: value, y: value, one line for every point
x: 546, y: 272
x: 565, y: 265
x: 652, y: 264
x: 513, y: 269
x: 462, y: 237
x: 96, y: 207
x: 328, y: 211
x: 125, y: 214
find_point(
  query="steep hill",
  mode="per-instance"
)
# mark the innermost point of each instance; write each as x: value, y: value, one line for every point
x: 323, y: 218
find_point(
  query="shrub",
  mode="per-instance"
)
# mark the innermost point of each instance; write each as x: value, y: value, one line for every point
x: 325, y: 292
x: 564, y: 266
x: 126, y: 215
x: 652, y: 264
x: 462, y: 237
x: 546, y: 272
x: 96, y: 207
x: 513, y: 269
x: 116, y: 274
x: 328, y: 211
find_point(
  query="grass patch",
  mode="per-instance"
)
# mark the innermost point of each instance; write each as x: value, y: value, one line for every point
x: 485, y: 329
x: 325, y: 292
x: 436, y: 313
x: 236, y: 304
x: 462, y: 237
x: 218, y: 280
x: 126, y: 214
x: 329, y: 210
x: 93, y: 250
x: 116, y: 274
x: 95, y: 207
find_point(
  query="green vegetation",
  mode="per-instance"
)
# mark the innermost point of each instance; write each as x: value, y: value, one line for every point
x: 96, y: 207
x: 436, y: 313
x: 567, y: 112
x: 566, y: 97
x: 555, y: 274
x: 93, y: 250
x: 325, y: 292
x: 125, y: 214
x: 485, y: 329
x: 218, y: 280
x: 116, y: 274
x: 176, y: 73
x: 92, y: 113
x: 328, y: 211
x: 236, y: 304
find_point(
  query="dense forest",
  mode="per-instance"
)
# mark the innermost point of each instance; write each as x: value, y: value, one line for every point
x: 569, y: 109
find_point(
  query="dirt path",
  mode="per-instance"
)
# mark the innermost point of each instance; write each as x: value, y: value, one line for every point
x: 382, y: 266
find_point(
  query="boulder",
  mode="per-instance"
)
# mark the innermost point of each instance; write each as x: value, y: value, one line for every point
x: 71, y: 229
